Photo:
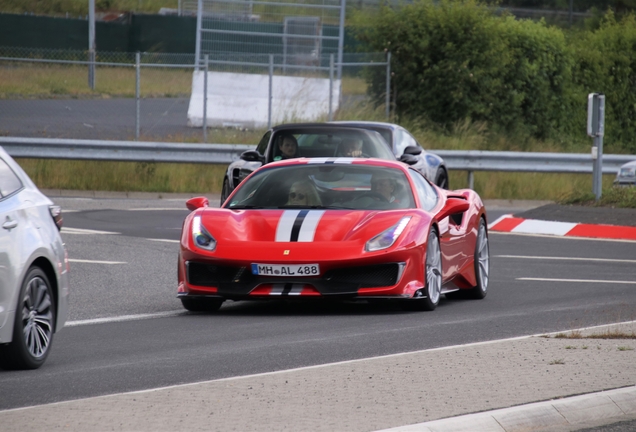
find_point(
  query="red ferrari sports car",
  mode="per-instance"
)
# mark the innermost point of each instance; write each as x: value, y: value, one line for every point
x: 340, y: 228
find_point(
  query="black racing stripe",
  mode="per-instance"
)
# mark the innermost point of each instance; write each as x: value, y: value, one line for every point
x: 297, y: 224
x: 287, y: 289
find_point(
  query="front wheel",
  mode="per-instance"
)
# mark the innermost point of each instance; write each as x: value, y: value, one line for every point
x: 433, y: 275
x: 482, y: 262
x: 201, y: 304
x: 33, y: 326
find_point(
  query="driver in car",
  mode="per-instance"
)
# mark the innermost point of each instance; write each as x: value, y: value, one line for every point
x: 386, y: 187
x: 350, y: 147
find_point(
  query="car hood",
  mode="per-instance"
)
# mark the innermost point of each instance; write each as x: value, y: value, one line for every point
x: 302, y: 226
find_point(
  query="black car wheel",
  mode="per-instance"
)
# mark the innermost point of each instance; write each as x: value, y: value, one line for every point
x: 201, y: 304
x: 33, y: 327
x: 225, y: 192
x: 441, y: 178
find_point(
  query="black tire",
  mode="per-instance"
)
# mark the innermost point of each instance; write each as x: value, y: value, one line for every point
x: 225, y: 191
x: 441, y: 178
x: 433, y: 275
x: 201, y: 304
x: 34, y: 324
x: 482, y: 262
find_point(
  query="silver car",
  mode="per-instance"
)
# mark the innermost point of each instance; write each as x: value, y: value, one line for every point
x: 34, y: 271
x: 406, y: 149
x: 626, y: 176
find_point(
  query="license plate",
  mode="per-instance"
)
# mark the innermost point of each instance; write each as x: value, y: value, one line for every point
x: 286, y: 269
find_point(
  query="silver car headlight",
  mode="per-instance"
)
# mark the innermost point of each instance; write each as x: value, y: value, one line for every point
x: 201, y: 237
x: 387, y: 237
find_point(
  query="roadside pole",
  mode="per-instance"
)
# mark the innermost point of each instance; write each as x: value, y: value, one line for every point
x: 596, y: 130
x: 91, y: 44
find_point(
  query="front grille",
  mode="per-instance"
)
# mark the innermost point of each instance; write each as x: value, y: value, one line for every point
x: 366, y: 276
x: 212, y: 275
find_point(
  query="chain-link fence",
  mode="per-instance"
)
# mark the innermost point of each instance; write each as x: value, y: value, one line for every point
x: 147, y: 96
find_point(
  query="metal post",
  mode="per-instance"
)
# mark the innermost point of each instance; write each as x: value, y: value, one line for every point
x: 596, y: 130
x: 197, y: 45
x: 205, y: 100
x: 137, y: 93
x: 388, y: 85
x: 330, y: 87
x: 271, y: 91
x: 91, y: 44
x: 343, y: 6
x: 471, y: 180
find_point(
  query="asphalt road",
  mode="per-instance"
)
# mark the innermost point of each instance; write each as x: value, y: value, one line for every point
x: 134, y: 272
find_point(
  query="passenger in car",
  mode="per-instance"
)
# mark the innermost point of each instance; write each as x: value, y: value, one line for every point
x: 303, y: 193
x: 288, y: 147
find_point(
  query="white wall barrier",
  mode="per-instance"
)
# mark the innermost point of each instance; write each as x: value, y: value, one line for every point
x: 239, y: 99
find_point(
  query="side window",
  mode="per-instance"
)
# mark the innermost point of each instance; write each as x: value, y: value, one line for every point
x: 9, y: 181
x: 404, y: 139
x: 426, y: 192
x: 262, y: 145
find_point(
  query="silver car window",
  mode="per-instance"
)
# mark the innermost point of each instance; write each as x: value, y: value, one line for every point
x: 426, y: 192
x: 404, y: 139
x: 9, y: 181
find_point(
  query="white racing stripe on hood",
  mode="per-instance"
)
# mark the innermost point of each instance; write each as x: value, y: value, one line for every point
x: 308, y: 229
x: 298, y: 225
x: 285, y: 225
x: 341, y: 160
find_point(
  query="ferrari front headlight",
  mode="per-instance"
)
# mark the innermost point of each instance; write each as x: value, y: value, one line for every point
x: 387, y: 237
x: 201, y: 237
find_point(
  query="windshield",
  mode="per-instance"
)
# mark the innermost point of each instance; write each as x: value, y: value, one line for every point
x: 332, y: 186
x: 329, y: 142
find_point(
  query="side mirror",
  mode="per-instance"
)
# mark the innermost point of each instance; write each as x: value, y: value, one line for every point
x: 197, y: 202
x: 452, y: 206
x: 252, y: 156
x: 413, y: 150
x: 408, y: 159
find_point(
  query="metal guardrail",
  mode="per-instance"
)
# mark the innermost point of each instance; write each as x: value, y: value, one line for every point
x: 140, y: 151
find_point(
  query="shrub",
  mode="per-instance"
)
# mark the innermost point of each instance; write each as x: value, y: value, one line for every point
x: 455, y: 59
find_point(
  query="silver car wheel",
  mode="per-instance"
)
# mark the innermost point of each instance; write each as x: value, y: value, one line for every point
x: 483, y: 258
x: 433, y: 269
x: 37, y: 317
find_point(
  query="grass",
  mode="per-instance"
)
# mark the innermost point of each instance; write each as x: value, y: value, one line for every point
x: 620, y: 197
x: 80, y: 7
x: 607, y: 334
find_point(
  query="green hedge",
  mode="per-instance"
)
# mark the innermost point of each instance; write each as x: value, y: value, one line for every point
x: 456, y: 59
x: 605, y: 62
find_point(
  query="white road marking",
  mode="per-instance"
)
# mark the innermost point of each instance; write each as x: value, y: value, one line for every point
x: 578, y: 280
x: 123, y: 318
x: 66, y: 230
x: 95, y: 262
x: 165, y: 240
x: 566, y: 258
x: 158, y: 209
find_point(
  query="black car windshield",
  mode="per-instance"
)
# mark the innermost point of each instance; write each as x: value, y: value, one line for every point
x: 328, y: 142
x: 328, y: 186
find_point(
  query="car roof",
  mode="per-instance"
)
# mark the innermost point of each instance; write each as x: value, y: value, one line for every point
x: 629, y: 164
x: 333, y: 160
x: 374, y: 124
x: 333, y: 125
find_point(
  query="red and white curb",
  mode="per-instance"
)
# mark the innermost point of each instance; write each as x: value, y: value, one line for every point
x: 509, y: 223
